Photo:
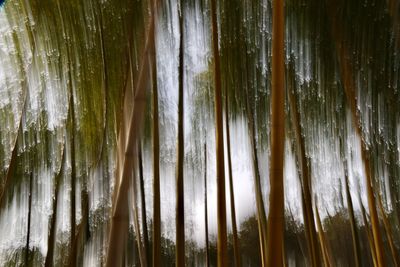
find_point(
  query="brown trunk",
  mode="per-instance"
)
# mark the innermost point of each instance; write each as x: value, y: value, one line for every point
x: 236, y: 251
x: 219, y: 136
x: 143, y: 207
x: 389, y: 234
x: 206, y: 206
x: 156, y: 159
x: 261, y: 217
x: 52, y: 234
x: 27, y: 255
x: 353, y: 224
x: 276, y: 197
x: 128, y: 136
x: 348, y: 82
x: 324, y: 248
x: 180, y: 207
x: 369, y: 234
x: 304, y: 173
x: 136, y: 224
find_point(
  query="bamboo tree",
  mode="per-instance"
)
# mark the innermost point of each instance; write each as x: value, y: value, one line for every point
x: 324, y: 248
x: 388, y: 231
x: 354, y: 234
x: 348, y: 81
x: 136, y: 223
x: 180, y: 208
x: 261, y: 217
x: 206, y: 206
x: 71, y: 124
x: 143, y: 207
x: 53, y: 221
x: 27, y: 255
x: 236, y: 251
x: 221, y: 198
x: 304, y: 173
x: 368, y: 231
x: 276, y: 198
x: 156, y: 157
x: 128, y: 135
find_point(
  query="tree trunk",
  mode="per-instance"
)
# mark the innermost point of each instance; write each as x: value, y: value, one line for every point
x: 389, y: 234
x: 143, y: 207
x: 261, y: 217
x: 27, y: 255
x: 276, y: 198
x: 353, y: 224
x: 348, y: 82
x: 53, y: 222
x: 136, y: 223
x: 369, y: 234
x: 156, y: 157
x: 236, y: 251
x: 206, y: 206
x: 219, y: 136
x: 128, y: 136
x: 324, y: 248
x: 180, y: 207
x: 304, y: 172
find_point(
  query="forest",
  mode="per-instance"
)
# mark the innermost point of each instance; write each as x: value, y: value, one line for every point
x: 200, y: 133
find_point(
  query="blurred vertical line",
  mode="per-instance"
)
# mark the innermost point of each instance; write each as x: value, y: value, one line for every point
x: 236, y: 251
x: 180, y: 206
x: 275, y: 226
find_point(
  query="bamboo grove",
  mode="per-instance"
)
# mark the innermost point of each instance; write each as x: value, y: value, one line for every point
x: 200, y: 133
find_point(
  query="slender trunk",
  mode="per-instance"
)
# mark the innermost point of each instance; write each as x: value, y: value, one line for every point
x: 353, y: 224
x: 236, y: 251
x: 128, y: 136
x: 27, y: 255
x: 143, y: 207
x: 73, y: 182
x: 180, y: 208
x: 136, y: 224
x: 276, y: 203
x: 53, y: 222
x: 261, y: 217
x: 369, y: 234
x: 348, y: 82
x: 389, y: 234
x: 304, y: 172
x: 156, y: 160
x: 206, y: 206
x: 221, y: 198
x: 325, y: 253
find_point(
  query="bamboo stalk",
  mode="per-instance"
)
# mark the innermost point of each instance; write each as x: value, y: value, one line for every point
x: 347, y: 77
x: 354, y: 234
x: 369, y: 234
x: 276, y: 197
x: 325, y: 253
x: 302, y: 162
x: 180, y: 207
x: 27, y: 252
x: 136, y: 224
x: 128, y: 135
x: 206, y: 206
x: 236, y: 251
x: 52, y: 234
x: 389, y: 233
x: 261, y: 217
x: 143, y: 207
x: 156, y: 157
x: 221, y: 198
